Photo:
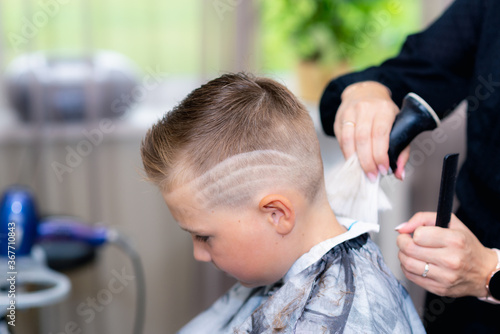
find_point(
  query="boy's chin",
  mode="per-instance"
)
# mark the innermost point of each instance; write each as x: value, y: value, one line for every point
x: 254, y: 284
x: 250, y: 285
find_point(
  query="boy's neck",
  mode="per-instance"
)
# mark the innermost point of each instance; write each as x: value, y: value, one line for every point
x: 317, y: 224
x: 323, y: 225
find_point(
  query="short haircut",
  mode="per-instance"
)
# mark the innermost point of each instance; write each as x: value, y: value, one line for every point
x: 232, y: 132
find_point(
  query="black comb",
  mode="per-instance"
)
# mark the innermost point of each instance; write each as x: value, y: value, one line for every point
x: 447, y: 190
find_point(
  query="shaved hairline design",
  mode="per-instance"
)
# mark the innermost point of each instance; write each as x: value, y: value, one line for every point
x: 239, y: 178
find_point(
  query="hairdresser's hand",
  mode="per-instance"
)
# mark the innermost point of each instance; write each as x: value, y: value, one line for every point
x: 458, y: 263
x: 363, y: 124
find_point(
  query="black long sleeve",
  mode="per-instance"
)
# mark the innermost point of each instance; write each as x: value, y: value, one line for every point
x: 437, y: 64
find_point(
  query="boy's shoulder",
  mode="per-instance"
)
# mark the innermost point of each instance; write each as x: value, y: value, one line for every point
x: 349, y: 289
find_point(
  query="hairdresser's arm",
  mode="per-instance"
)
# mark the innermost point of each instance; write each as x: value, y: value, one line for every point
x: 458, y: 263
x: 437, y: 64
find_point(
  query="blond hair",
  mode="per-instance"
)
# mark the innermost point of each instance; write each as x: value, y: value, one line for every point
x: 229, y: 116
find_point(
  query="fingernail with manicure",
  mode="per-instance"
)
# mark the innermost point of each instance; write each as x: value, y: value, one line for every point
x: 382, y: 170
x: 372, y: 177
x: 397, y: 228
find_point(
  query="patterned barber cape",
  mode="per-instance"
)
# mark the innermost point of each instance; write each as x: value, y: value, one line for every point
x: 341, y: 285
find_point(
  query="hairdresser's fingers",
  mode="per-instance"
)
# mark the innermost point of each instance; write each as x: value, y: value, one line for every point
x: 441, y: 245
x: 417, y: 267
x: 431, y: 275
x: 445, y: 282
x: 409, y: 248
x: 426, y: 234
x: 364, y: 147
x: 401, y: 163
x: 458, y: 261
x: 347, y: 141
x: 435, y: 285
x: 418, y: 219
x: 337, y: 128
x: 339, y: 117
x: 462, y: 264
x: 432, y: 244
x: 435, y: 281
x: 344, y: 129
x: 381, y: 129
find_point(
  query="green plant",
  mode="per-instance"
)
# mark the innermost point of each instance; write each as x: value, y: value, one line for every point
x: 335, y: 30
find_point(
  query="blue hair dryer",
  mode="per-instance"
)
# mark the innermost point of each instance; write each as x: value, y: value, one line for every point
x: 18, y: 222
x: 20, y: 229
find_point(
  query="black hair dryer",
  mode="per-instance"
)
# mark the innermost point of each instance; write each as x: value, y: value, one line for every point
x: 415, y: 117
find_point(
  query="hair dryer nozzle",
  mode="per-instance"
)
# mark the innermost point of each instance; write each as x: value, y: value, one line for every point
x: 415, y: 117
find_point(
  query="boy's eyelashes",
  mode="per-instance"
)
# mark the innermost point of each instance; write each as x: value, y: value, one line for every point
x: 202, y: 238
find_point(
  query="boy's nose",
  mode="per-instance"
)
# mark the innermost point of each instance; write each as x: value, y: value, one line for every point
x: 201, y: 254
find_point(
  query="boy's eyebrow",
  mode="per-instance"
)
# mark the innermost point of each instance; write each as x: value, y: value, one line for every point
x: 189, y: 230
x: 186, y: 229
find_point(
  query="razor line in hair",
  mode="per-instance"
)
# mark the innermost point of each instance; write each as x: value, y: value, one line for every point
x: 236, y: 179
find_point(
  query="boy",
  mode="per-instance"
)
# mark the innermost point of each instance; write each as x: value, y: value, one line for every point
x: 239, y: 166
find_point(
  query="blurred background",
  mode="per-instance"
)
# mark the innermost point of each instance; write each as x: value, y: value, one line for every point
x: 82, y: 80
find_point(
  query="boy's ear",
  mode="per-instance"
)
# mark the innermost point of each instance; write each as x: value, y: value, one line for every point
x: 279, y: 212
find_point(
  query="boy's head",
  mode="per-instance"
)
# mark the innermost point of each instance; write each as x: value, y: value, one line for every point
x: 239, y: 164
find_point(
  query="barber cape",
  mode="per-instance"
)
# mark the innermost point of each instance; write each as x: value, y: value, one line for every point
x: 341, y: 285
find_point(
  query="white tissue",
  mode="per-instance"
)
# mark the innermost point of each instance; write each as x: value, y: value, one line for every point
x: 351, y: 194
